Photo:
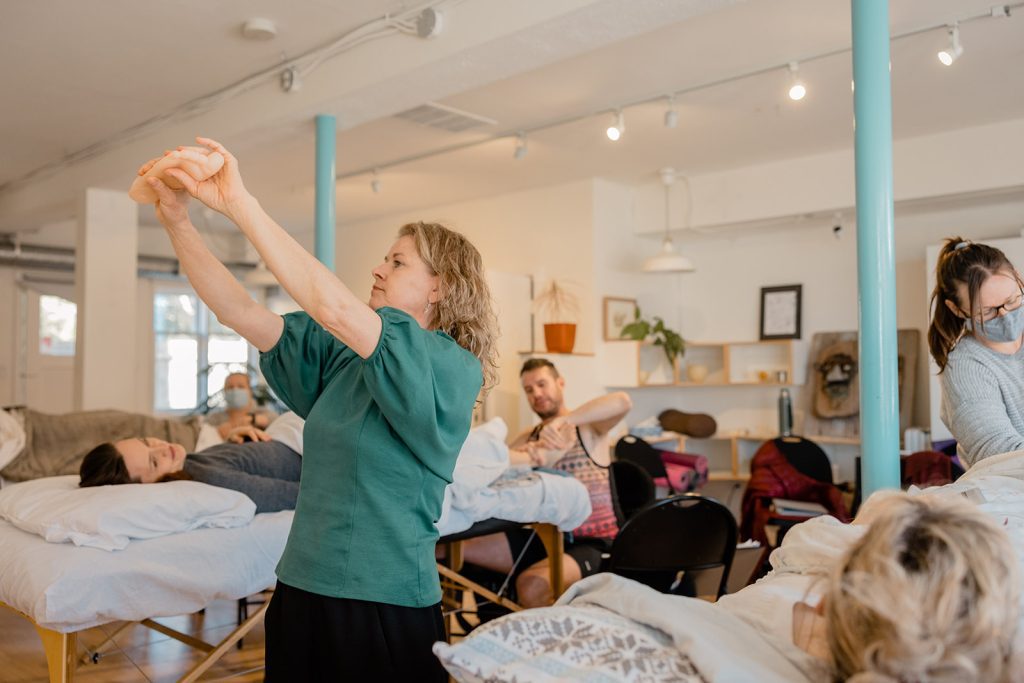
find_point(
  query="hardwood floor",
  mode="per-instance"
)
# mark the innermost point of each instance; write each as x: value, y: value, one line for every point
x: 137, y: 654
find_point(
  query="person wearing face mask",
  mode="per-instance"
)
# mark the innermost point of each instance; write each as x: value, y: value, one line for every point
x: 241, y: 410
x: 976, y: 338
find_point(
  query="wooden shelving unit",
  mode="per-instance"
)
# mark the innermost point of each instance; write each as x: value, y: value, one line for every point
x: 756, y: 363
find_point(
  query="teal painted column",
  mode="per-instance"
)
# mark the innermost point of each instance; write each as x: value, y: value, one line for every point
x: 876, y: 263
x: 326, y: 131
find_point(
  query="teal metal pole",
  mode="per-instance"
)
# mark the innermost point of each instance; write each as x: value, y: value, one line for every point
x: 326, y: 130
x: 876, y: 262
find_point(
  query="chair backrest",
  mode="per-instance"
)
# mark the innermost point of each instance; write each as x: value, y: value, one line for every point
x: 806, y: 457
x: 636, y: 450
x: 632, y: 489
x: 685, y: 533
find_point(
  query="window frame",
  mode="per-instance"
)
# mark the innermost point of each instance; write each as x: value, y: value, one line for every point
x: 202, y: 336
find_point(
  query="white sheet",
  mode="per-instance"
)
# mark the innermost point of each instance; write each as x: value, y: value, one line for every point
x: 67, y: 588
x: 562, y: 501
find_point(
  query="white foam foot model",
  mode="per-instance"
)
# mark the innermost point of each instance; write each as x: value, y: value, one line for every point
x: 140, y: 190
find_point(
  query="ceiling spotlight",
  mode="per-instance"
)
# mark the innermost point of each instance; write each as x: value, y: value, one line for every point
x: 671, y: 115
x: 375, y: 183
x: 618, y: 126
x: 521, y: 148
x: 955, y: 49
x: 259, y: 28
x: 797, y: 90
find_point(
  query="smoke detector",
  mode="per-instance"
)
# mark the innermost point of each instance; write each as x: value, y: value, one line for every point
x: 259, y: 28
x: 429, y: 23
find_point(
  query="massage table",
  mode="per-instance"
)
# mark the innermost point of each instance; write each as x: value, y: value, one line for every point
x: 63, y: 589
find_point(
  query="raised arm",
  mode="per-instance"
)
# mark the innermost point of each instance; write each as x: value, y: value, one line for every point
x: 601, y: 413
x: 213, y: 282
x: 315, y: 288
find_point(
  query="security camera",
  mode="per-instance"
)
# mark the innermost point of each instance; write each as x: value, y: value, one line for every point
x: 837, y: 230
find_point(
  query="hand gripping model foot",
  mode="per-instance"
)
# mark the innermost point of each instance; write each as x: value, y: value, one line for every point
x: 212, y: 162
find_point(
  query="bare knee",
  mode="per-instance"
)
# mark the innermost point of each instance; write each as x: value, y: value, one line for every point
x: 534, y: 589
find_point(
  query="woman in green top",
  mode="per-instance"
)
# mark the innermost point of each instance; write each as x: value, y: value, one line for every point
x: 387, y: 391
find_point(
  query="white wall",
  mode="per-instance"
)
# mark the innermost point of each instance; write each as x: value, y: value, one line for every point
x: 720, y: 301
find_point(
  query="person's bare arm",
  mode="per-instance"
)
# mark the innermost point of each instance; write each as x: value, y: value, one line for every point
x: 315, y: 288
x: 213, y: 282
x: 520, y: 440
x: 601, y: 413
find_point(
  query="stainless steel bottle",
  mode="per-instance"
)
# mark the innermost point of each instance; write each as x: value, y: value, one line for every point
x: 785, y: 413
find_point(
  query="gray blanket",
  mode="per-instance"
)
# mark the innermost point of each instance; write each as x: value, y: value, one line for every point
x: 56, y: 444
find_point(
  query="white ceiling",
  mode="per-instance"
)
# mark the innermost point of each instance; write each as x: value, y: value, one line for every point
x: 85, y: 72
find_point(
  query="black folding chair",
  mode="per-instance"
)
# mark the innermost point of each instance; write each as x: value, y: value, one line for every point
x: 632, y: 489
x: 665, y: 544
x: 635, y: 450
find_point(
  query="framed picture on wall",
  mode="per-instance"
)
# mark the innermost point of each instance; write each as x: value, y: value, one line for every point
x: 618, y: 313
x: 780, y: 312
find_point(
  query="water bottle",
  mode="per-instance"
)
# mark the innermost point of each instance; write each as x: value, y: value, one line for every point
x: 785, y: 413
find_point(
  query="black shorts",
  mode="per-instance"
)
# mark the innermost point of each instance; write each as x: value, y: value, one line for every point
x: 586, y: 551
x: 313, y: 638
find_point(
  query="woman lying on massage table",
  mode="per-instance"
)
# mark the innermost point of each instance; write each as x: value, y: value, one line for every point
x: 266, y: 471
x: 929, y: 593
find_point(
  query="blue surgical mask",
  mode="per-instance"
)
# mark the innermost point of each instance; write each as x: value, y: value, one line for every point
x: 236, y: 398
x: 1006, y: 328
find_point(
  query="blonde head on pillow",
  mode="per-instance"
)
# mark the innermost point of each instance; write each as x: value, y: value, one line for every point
x: 929, y: 594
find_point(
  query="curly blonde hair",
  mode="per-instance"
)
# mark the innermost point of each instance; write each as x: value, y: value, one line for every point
x: 929, y: 594
x: 465, y: 309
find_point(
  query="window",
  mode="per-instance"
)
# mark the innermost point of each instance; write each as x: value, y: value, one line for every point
x: 193, y: 352
x: 57, y: 320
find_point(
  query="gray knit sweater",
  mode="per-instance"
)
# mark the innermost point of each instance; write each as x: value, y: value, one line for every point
x: 983, y: 400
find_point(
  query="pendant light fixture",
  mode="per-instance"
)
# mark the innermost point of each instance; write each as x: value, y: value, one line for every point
x: 668, y: 260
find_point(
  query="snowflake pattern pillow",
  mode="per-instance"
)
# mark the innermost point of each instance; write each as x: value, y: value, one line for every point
x: 565, y: 643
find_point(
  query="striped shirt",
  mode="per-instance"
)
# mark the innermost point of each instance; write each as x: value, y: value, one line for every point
x: 577, y: 462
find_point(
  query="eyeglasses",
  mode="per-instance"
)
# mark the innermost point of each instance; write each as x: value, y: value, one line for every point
x: 989, y: 314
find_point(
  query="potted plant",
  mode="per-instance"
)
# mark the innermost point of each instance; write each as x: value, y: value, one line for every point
x: 669, y: 340
x: 559, y: 310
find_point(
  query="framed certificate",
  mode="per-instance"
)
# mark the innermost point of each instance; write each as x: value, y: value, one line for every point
x: 780, y: 312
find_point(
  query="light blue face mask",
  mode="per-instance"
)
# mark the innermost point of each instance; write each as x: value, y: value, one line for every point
x: 1006, y: 328
x: 236, y: 398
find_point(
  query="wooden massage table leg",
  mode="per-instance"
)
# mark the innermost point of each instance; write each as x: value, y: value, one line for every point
x: 225, y: 645
x: 61, y: 649
x: 554, y: 544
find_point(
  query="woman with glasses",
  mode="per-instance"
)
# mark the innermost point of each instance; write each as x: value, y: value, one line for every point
x: 975, y: 338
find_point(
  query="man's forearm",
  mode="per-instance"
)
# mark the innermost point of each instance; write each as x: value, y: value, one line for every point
x: 601, y: 409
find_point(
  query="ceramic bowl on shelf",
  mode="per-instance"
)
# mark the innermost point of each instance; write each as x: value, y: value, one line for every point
x: 696, y: 373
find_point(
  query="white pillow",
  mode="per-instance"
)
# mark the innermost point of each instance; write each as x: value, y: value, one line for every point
x: 108, y: 517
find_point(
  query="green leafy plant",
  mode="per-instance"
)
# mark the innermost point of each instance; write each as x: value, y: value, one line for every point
x: 669, y: 340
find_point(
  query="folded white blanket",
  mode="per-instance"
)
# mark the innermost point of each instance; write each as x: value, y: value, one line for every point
x: 520, y: 496
x: 722, y: 646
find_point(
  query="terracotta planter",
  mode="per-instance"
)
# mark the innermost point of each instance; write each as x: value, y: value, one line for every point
x: 560, y: 337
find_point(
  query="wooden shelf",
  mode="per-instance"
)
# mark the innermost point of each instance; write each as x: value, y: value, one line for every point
x: 539, y: 352
x: 749, y: 364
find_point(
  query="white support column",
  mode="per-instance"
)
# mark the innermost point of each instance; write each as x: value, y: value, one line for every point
x: 106, y: 275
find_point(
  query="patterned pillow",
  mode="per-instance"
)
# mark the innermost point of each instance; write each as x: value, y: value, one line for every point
x: 565, y: 643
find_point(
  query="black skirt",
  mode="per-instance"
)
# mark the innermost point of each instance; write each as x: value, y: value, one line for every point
x: 312, y: 638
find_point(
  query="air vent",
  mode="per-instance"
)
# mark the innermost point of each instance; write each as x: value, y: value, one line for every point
x: 444, y: 118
